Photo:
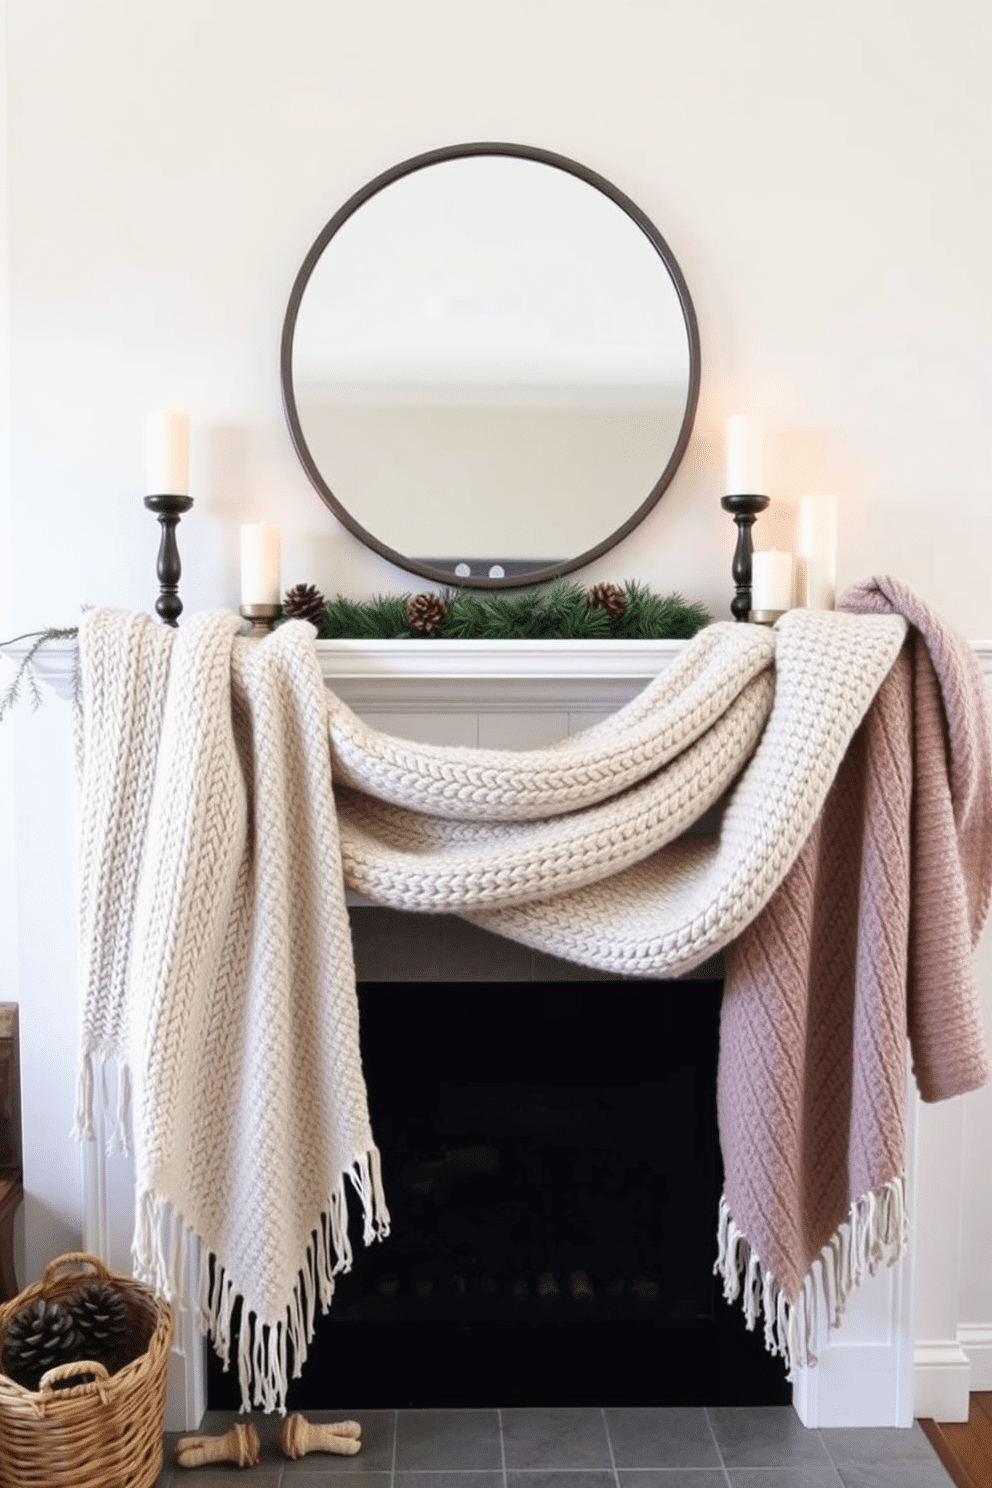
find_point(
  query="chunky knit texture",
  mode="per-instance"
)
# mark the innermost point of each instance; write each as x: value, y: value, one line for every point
x: 217, y: 971
x: 613, y: 881
x: 869, y: 937
x: 215, y: 953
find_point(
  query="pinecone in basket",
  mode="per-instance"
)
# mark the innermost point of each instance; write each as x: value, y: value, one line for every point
x: 304, y: 602
x: 39, y: 1337
x: 99, y: 1312
x: 608, y: 597
x: 426, y: 612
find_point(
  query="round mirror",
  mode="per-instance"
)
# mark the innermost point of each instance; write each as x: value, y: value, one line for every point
x: 490, y: 365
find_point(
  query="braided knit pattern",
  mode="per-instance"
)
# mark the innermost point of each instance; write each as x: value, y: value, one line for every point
x: 616, y: 884
x: 122, y: 695
x: 681, y: 706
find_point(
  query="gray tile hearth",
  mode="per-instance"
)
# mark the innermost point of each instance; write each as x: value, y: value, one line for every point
x: 771, y: 1437
x: 447, y: 1440
x: 886, y: 1447
x: 664, y: 1437
x: 555, y: 1438
x: 784, y: 1477
x: 764, y: 1447
x: 560, y: 1479
x: 675, y: 1477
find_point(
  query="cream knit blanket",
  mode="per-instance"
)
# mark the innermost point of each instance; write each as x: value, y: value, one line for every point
x: 216, y: 968
x: 215, y: 951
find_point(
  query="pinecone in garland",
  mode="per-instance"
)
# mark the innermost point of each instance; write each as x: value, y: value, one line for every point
x: 608, y: 597
x: 426, y: 612
x: 99, y: 1312
x: 304, y: 602
x: 39, y: 1337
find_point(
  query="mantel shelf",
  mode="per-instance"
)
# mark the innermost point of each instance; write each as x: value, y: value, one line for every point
x: 515, y: 673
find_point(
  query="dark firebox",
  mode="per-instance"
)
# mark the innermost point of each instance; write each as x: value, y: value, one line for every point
x: 552, y: 1169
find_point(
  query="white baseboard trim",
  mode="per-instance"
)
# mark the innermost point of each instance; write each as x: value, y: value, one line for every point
x: 186, y: 1395
x: 942, y: 1380
x: 976, y: 1340
x: 854, y: 1385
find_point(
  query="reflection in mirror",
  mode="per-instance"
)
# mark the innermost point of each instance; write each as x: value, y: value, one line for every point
x: 490, y: 359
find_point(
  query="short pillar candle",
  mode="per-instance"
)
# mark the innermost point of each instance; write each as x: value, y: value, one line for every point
x: 816, y: 551
x: 260, y: 564
x: 771, y: 581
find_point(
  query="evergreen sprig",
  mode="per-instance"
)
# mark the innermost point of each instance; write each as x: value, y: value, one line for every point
x: 556, y: 611
x: 24, y: 677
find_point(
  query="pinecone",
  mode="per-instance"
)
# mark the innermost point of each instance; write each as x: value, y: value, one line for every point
x: 304, y: 602
x: 608, y: 597
x: 99, y: 1312
x: 426, y: 612
x: 39, y: 1337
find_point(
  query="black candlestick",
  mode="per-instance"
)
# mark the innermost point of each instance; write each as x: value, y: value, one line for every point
x: 169, y: 509
x: 744, y: 509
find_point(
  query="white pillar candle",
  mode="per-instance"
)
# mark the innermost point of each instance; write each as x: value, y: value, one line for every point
x: 745, y: 456
x: 260, y: 565
x: 816, y: 552
x: 167, y: 453
x: 771, y: 580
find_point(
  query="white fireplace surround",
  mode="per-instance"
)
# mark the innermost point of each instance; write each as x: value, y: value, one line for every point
x: 902, y: 1350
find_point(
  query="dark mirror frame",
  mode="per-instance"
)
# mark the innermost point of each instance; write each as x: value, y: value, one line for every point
x: 405, y: 168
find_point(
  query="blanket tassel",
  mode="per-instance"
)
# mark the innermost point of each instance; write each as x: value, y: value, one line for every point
x: 92, y: 1065
x: 160, y: 1257
x: 874, y: 1231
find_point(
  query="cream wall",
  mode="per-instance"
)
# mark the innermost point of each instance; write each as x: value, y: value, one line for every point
x: 821, y: 173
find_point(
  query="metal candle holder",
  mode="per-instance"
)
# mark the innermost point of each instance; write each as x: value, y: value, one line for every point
x: 262, y: 617
x: 168, y: 509
x: 744, y: 510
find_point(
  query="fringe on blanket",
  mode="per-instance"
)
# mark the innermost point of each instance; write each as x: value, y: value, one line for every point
x: 160, y: 1255
x: 876, y: 1230
x: 160, y: 1251
x: 118, y: 1127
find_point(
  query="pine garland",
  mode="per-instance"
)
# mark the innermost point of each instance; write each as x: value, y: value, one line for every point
x: 555, y: 612
x: 559, y: 611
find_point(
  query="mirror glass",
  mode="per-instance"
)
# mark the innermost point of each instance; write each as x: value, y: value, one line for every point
x: 490, y: 365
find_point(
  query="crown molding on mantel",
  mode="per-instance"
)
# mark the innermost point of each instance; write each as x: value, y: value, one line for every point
x: 467, y: 673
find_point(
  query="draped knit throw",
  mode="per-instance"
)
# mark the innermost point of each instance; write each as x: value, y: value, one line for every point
x: 228, y: 799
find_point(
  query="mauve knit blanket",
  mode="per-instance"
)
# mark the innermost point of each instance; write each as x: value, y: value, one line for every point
x: 870, y: 937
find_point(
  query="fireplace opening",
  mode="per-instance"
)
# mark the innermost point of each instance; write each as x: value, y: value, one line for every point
x: 552, y: 1169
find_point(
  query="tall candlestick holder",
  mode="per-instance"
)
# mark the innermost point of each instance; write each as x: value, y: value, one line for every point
x: 744, y: 510
x: 168, y: 509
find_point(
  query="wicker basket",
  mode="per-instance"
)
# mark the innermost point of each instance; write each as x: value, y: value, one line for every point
x: 105, y: 1434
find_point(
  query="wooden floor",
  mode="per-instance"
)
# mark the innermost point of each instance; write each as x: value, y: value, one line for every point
x: 965, y: 1447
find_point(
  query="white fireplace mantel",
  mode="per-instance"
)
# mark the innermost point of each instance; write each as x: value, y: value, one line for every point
x: 877, y: 1369
x: 382, y: 673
